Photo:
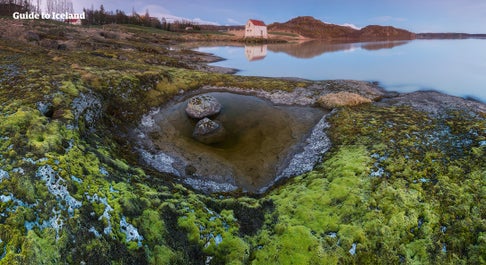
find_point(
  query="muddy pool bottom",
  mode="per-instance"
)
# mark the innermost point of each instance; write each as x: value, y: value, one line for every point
x: 259, y: 143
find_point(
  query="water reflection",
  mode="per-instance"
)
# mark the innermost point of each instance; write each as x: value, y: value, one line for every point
x: 310, y: 49
x: 373, y: 46
x: 255, y: 52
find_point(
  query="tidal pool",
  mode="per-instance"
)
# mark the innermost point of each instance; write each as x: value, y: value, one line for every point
x: 260, y: 140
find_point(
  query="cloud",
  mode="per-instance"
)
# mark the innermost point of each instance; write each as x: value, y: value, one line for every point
x: 349, y: 25
x: 160, y: 12
x: 203, y: 22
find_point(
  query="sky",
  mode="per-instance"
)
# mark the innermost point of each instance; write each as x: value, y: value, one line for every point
x: 468, y: 16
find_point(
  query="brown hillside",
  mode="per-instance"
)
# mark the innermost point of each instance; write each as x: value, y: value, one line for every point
x: 384, y: 32
x: 315, y: 29
x: 312, y: 28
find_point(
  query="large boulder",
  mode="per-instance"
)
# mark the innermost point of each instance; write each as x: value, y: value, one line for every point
x: 208, y: 131
x: 202, y: 106
x: 341, y: 99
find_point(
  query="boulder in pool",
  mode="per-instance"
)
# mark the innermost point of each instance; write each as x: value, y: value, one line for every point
x: 208, y: 131
x: 202, y: 106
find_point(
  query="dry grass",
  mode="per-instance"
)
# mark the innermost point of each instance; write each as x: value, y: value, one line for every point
x: 341, y: 99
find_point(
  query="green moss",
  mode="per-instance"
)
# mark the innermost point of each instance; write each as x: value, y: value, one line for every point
x: 162, y: 255
x: 69, y: 88
x: 44, y: 249
x: 284, y: 249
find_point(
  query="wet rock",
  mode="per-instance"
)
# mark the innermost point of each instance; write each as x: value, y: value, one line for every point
x: 317, y: 144
x: 161, y: 162
x: 202, y: 106
x: 208, y: 131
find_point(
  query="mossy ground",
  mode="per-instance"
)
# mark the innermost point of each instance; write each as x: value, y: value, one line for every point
x: 397, y: 187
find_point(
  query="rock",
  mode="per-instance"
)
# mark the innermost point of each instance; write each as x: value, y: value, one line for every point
x: 341, y: 99
x: 49, y: 44
x: 109, y: 35
x: 32, y: 36
x: 208, y: 131
x: 202, y: 106
x: 87, y: 108
x: 62, y: 47
x: 46, y: 109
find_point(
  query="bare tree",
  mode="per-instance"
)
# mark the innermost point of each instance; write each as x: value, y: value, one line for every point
x: 59, y: 6
x: 38, y: 6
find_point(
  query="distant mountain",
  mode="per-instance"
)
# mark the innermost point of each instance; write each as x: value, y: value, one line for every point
x: 450, y: 36
x: 385, y: 32
x: 310, y: 27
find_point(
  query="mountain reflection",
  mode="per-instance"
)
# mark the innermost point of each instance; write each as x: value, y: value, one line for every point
x: 315, y: 48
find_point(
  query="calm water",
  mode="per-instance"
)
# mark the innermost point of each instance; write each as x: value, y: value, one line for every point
x: 260, y: 137
x: 455, y: 67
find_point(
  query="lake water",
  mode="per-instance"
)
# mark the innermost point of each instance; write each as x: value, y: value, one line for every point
x: 455, y: 67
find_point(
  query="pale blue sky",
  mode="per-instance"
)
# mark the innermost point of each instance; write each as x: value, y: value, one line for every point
x: 415, y: 15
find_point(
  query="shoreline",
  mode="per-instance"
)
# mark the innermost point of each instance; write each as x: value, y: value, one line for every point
x: 390, y: 90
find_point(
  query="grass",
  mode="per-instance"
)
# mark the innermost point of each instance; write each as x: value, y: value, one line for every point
x: 283, y: 34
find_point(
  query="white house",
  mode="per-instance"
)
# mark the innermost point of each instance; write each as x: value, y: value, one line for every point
x: 255, y: 29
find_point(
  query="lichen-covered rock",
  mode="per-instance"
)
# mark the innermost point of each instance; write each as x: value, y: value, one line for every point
x: 3, y: 175
x: 87, y: 108
x: 202, y: 106
x: 45, y: 108
x: 208, y: 131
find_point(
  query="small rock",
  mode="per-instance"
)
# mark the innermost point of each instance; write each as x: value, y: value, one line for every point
x: 32, y: 36
x: 122, y: 57
x: 208, y: 131
x: 49, y: 44
x: 202, y: 106
x: 62, y: 47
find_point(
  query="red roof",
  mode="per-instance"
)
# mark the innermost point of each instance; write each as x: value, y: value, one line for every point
x: 257, y: 22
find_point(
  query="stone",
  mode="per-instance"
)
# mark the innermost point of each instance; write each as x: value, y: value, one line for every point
x: 208, y: 131
x: 32, y: 36
x: 45, y: 108
x: 341, y: 99
x: 202, y: 106
x: 49, y: 44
